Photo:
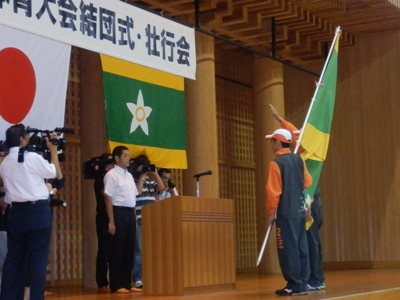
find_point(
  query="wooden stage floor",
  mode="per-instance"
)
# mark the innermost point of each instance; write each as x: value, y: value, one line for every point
x: 345, y: 284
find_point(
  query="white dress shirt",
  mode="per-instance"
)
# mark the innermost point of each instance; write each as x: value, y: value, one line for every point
x: 120, y: 186
x: 24, y: 181
x: 165, y: 194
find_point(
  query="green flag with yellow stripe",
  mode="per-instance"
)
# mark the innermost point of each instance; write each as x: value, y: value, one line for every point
x: 145, y: 111
x: 315, y: 135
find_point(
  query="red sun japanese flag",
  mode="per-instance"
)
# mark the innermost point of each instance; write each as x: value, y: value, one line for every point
x: 33, y: 80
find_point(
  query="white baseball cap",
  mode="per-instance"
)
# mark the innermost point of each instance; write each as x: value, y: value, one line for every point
x: 282, y: 135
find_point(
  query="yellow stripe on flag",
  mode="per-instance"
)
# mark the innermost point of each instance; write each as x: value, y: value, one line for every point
x: 337, y: 44
x: 141, y: 73
x: 315, y: 143
x: 160, y: 157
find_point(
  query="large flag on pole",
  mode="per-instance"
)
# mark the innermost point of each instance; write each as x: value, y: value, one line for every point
x: 145, y: 111
x: 33, y: 80
x: 314, y: 137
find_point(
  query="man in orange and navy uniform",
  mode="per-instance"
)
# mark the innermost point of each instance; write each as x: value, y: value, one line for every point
x: 287, y: 178
x: 314, y: 214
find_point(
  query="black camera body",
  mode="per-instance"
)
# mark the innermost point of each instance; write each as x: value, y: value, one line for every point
x: 171, y: 184
x: 37, y: 143
x: 148, y: 168
x: 95, y: 167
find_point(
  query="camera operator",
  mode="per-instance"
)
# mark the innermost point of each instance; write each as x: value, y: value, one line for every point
x: 53, y: 186
x: 3, y: 220
x: 3, y: 233
x: 30, y: 214
x: 169, y: 186
x: 104, y: 239
x: 141, y: 169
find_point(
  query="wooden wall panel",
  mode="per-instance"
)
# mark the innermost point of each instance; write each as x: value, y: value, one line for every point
x: 235, y: 116
x: 360, y: 179
x: 65, y: 259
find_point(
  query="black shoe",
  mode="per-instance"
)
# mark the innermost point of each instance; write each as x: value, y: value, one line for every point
x: 289, y: 292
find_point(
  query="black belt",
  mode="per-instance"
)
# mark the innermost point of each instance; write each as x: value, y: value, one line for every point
x: 30, y: 203
x: 124, y: 207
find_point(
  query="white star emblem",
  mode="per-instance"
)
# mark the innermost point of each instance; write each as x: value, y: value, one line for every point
x: 140, y: 114
x: 308, y: 201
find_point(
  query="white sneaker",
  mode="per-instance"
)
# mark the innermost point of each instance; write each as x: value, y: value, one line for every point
x: 315, y: 288
x: 138, y: 285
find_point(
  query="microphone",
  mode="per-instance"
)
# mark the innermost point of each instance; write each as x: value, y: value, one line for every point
x: 31, y: 129
x: 202, y: 174
x: 64, y: 130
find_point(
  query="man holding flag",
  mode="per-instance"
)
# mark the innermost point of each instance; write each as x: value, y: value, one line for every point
x: 314, y: 140
x: 287, y: 178
x: 315, y: 217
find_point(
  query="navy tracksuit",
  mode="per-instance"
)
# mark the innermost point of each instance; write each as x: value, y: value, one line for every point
x: 290, y: 224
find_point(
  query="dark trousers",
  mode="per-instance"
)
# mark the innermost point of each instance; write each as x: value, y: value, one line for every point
x: 28, y: 250
x: 104, y: 242
x: 317, y: 277
x: 121, y: 256
x: 293, y: 252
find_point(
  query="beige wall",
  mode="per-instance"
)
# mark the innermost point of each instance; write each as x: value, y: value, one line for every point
x: 360, y: 179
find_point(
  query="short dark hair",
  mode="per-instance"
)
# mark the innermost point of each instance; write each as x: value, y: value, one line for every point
x: 137, y: 162
x: 118, y: 151
x: 141, y: 160
x: 14, y: 133
x: 105, y: 156
x: 164, y: 170
x: 284, y: 145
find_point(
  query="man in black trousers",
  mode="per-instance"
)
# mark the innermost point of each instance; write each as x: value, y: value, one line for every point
x: 104, y: 238
x: 120, y: 195
x: 23, y: 174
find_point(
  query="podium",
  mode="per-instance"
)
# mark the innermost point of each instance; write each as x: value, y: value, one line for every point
x: 188, y: 246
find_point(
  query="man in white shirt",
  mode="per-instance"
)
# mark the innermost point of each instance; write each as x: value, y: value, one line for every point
x: 120, y: 196
x: 22, y: 174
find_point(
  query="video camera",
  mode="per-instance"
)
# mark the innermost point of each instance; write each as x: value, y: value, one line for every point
x: 37, y: 143
x: 148, y: 168
x: 96, y: 166
x: 171, y: 184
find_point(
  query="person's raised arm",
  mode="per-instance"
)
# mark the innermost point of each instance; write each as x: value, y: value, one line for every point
x: 275, y: 114
x: 285, y: 124
x: 139, y: 183
x: 160, y: 183
x: 54, y: 154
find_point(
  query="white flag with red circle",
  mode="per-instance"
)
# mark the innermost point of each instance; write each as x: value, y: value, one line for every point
x: 33, y: 80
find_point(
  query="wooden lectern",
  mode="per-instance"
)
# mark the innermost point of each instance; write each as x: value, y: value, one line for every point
x: 188, y: 246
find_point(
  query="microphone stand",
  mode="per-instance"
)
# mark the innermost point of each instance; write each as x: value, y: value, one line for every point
x: 197, y: 176
x: 197, y: 186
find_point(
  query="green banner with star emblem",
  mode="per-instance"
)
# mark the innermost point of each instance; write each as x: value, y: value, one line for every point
x: 145, y: 111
